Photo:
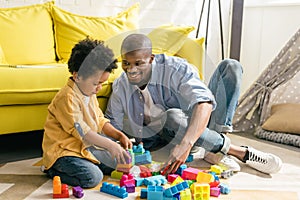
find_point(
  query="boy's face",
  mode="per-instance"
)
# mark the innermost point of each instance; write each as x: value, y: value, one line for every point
x: 92, y: 84
x: 137, y: 65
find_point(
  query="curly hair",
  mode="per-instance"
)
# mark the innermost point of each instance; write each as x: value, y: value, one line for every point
x: 90, y: 55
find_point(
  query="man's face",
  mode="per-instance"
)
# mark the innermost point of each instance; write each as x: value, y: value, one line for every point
x: 137, y: 65
x: 92, y: 84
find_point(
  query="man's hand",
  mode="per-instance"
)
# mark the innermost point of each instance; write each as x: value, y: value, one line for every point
x: 178, y: 157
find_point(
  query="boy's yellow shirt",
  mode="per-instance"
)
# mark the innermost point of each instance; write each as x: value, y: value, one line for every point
x: 61, y: 138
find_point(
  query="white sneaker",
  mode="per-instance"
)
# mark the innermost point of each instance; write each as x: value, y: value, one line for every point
x: 222, y: 160
x: 264, y: 162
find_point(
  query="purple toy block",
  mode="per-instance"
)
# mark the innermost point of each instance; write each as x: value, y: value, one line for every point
x: 130, y: 188
x: 77, y: 192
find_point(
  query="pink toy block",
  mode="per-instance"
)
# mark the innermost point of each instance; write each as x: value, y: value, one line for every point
x: 190, y: 173
x: 127, y: 179
x: 215, y: 191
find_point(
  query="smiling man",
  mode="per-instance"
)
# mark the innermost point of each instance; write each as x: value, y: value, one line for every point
x: 160, y: 100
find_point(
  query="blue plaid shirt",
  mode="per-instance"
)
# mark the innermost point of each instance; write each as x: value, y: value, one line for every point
x: 174, y: 84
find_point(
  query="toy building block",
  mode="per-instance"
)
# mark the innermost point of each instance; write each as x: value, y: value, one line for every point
x: 155, y: 192
x: 116, y: 174
x: 214, y: 184
x: 114, y: 190
x: 177, y: 180
x: 124, y: 170
x: 217, y: 169
x: 127, y: 179
x: 180, y: 169
x: 56, y: 185
x: 173, y: 190
x: 138, y: 149
x: 190, y: 173
x: 64, y: 192
x: 77, y: 192
x: 139, y: 181
x: 145, y: 172
x: 130, y: 188
x: 215, y: 191
x: 155, y: 180
x: 200, y: 191
x: 203, y: 177
x: 144, y: 192
x: 224, y: 188
x: 135, y: 171
x: 227, y: 174
x: 190, y: 158
x: 172, y: 177
x: 141, y: 159
x: 186, y: 194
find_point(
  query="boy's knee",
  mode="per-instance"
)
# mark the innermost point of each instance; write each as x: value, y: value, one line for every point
x: 91, y: 178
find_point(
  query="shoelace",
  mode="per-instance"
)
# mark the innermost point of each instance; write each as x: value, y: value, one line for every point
x: 255, y: 158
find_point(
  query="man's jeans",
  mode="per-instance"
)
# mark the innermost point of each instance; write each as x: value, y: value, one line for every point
x: 225, y: 85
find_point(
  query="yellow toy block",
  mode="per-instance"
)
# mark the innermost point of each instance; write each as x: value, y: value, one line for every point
x: 217, y: 169
x: 177, y: 180
x: 203, y: 177
x: 56, y: 185
x: 186, y: 194
x: 200, y: 191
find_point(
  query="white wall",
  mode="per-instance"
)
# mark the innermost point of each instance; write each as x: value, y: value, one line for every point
x: 267, y: 26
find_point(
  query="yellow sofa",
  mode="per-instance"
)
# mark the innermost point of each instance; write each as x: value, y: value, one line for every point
x: 35, y: 44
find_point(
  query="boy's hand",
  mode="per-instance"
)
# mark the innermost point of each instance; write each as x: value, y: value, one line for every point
x: 125, y: 142
x: 118, y: 152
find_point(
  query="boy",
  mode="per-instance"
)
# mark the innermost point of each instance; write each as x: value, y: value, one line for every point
x: 75, y: 119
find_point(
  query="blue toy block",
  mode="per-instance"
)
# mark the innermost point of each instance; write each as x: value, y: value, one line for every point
x: 155, y: 193
x: 190, y: 158
x: 114, y: 190
x: 139, y: 181
x: 169, y: 192
x: 155, y: 180
x: 141, y: 159
x: 224, y: 188
x: 139, y: 149
x: 144, y: 193
x: 180, y: 169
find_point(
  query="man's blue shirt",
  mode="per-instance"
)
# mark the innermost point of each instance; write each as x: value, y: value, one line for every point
x: 174, y: 83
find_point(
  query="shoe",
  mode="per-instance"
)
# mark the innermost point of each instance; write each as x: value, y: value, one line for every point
x: 195, y: 149
x: 264, y: 162
x: 225, y: 161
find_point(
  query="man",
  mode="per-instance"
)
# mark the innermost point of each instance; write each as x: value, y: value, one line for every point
x: 161, y: 98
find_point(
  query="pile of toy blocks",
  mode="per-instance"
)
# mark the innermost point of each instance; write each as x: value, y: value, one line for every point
x: 62, y: 190
x: 186, y: 184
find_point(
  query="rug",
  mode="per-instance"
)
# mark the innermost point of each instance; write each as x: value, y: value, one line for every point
x: 24, y: 180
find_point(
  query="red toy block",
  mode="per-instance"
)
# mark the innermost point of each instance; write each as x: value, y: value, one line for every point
x: 64, y: 192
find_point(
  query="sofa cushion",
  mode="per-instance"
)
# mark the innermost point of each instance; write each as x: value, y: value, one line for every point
x: 169, y: 39
x: 26, y: 34
x: 70, y: 28
x: 193, y: 50
x: 2, y: 57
